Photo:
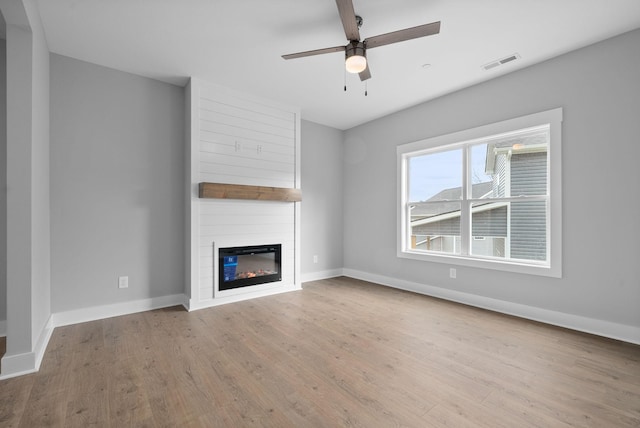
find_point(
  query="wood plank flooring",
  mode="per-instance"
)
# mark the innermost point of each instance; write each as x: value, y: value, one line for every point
x: 341, y: 352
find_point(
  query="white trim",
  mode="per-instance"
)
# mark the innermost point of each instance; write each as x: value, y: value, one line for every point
x: 193, y: 202
x: 28, y: 362
x: 43, y: 341
x: 3, y: 328
x: 626, y: 333
x: 325, y: 274
x: 116, y: 309
x: 194, y: 305
x: 297, y: 206
x: 18, y: 365
x: 482, y: 262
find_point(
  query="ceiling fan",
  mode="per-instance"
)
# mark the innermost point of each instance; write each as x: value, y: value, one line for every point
x: 356, y: 50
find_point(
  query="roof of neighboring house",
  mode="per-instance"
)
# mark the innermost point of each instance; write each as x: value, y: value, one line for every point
x: 477, y: 191
x: 530, y: 140
x: 429, y: 209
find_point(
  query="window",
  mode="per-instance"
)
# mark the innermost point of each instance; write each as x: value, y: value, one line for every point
x: 485, y: 197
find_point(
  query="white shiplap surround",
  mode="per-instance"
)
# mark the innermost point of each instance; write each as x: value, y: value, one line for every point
x: 237, y: 138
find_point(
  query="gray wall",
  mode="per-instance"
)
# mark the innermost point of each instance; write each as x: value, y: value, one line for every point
x: 599, y: 89
x: 3, y: 179
x: 117, y: 186
x: 322, y: 205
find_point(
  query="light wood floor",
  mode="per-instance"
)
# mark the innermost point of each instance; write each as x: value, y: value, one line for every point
x: 339, y: 353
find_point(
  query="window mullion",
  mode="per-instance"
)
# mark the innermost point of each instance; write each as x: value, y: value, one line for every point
x: 465, y: 211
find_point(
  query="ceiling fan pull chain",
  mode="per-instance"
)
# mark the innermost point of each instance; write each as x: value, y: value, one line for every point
x: 345, y: 79
x: 365, y: 88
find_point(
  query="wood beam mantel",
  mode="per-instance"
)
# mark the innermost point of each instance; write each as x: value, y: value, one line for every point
x: 258, y: 193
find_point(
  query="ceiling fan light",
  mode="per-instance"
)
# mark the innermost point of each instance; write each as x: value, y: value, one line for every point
x: 356, y: 64
x: 356, y: 60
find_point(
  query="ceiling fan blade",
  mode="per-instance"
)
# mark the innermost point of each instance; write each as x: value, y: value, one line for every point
x: 314, y: 52
x: 402, y: 35
x: 348, y: 18
x: 365, y: 74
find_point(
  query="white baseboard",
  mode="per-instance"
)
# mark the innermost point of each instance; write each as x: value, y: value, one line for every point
x: 18, y: 365
x: 28, y: 362
x: 116, y: 309
x: 3, y: 328
x: 43, y: 341
x: 608, y: 329
x: 325, y: 274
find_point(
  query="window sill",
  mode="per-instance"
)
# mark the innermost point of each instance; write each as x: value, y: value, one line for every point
x: 482, y: 263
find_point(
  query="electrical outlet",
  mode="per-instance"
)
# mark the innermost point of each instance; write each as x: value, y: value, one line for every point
x: 315, y: 259
x: 452, y: 273
x: 123, y: 282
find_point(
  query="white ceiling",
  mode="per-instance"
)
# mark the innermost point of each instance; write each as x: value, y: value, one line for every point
x: 239, y: 43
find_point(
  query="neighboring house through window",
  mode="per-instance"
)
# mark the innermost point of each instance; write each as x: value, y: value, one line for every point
x: 485, y: 197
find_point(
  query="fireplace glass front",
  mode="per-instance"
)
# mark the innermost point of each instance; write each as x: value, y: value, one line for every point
x: 251, y: 265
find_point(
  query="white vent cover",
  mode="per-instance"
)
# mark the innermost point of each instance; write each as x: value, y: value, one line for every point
x: 494, y: 64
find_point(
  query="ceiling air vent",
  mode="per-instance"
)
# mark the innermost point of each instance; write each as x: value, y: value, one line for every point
x: 494, y: 64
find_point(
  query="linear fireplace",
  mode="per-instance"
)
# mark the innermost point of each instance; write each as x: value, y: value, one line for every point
x: 251, y: 265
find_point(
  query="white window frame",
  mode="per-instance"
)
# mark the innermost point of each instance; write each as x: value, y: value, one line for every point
x: 551, y: 268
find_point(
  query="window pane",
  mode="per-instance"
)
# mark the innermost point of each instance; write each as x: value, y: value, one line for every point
x: 482, y: 185
x: 510, y: 230
x: 515, y: 165
x: 435, y: 176
x: 489, y: 229
x: 529, y: 174
x: 528, y: 230
x: 435, y: 227
x: 490, y: 246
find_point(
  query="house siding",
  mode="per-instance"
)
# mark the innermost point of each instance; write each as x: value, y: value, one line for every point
x: 500, y: 184
x: 528, y: 219
x: 490, y: 223
x: 485, y: 223
x: 529, y: 174
x: 448, y: 227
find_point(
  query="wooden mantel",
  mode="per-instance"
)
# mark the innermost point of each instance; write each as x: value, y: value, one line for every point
x: 258, y: 193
